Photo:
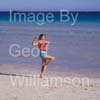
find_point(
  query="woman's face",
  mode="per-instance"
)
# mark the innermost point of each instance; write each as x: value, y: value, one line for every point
x: 43, y: 38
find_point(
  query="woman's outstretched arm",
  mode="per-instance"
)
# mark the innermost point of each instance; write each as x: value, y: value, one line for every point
x: 47, y: 42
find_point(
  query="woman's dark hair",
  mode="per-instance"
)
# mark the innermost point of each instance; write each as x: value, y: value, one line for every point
x: 41, y: 35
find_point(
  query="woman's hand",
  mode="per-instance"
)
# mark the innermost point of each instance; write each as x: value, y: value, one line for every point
x: 35, y: 41
x: 36, y: 37
x: 47, y: 42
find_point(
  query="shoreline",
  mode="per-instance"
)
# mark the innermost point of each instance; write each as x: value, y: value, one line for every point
x: 31, y: 69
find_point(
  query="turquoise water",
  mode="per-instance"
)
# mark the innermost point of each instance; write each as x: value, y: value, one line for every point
x: 83, y: 17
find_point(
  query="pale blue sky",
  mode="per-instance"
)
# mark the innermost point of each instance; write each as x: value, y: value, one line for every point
x: 53, y: 5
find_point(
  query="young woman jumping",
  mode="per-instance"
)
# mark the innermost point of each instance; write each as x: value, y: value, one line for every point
x: 46, y: 59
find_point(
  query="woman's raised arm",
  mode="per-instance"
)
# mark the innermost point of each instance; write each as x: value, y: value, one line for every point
x: 35, y: 41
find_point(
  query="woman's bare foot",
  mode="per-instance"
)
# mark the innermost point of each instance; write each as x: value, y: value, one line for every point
x: 43, y: 77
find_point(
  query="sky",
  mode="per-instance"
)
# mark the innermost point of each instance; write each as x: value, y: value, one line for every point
x: 50, y: 5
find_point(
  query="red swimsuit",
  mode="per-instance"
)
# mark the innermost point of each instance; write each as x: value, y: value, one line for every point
x: 43, y: 51
x: 42, y: 46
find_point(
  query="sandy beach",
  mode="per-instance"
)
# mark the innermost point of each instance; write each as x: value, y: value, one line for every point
x: 20, y: 83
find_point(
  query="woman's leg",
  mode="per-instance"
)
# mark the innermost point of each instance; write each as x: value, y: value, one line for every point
x: 44, y: 64
x: 43, y: 67
x: 49, y: 58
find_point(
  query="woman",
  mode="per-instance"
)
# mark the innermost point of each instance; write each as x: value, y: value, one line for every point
x: 46, y: 59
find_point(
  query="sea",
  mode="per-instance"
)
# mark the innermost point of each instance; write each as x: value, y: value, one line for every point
x: 74, y: 46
